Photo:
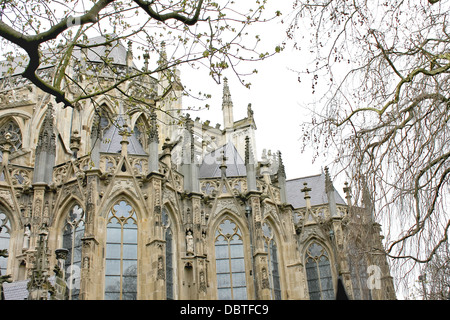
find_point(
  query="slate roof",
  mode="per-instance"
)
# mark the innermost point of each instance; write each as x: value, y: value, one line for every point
x: 318, y: 194
x: 111, y: 140
x: 118, y: 54
x: 16, y: 290
x: 210, y: 167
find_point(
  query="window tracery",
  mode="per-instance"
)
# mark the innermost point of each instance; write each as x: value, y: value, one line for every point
x: 13, y: 129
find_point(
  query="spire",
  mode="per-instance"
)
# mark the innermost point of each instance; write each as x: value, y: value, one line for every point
x: 250, y: 166
x: 329, y: 189
x: 153, y: 134
x: 281, y: 169
x: 45, y: 149
x: 39, y: 285
x: 162, y: 62
x: 281, y: 179
x: 227, y: 106
x: 189, y: 168
x: 153, y: 139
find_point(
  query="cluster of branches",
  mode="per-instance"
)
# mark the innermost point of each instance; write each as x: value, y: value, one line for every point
x: 195, y: 32
x: 384, y: 69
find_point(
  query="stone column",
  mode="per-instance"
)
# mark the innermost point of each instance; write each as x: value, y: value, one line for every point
x: 154, y: 265
x: 260, y: 257
x: 91, y: 282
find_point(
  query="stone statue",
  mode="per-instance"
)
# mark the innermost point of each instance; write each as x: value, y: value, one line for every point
x: 189, y: 243
x: 26, y: 238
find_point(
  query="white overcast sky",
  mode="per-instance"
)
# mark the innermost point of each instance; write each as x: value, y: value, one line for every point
x: 277, y: 98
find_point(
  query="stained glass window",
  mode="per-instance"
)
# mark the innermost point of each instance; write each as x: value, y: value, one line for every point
x: 230, y: 264
x: 271, y: 248
x: 72, y: 234
x: 121, y: 253
x: 318, y: 273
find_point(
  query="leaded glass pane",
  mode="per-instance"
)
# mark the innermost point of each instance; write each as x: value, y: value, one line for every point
x: 113, y: 250
x: 223, y: 266
x: 224, y: 293
x: 237, y: 265
x: 221, y: 251
x: 224, y: 280
x: 240, y: 293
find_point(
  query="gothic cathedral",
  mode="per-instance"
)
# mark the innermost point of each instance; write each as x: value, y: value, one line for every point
x: 112, y: 201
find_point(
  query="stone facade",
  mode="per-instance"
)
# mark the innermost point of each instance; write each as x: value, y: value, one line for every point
x: 175, y: 211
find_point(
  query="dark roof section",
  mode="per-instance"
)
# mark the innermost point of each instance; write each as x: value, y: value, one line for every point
x: 16, y: 290
x: 318, y: 194
x: 210, y: 167
x: 111, y: 140
x: 117, y: 51
x: 118, y: 55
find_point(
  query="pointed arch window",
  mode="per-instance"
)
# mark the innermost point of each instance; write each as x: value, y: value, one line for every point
x: 5, y: 232
x: 230, y: 264
x: 168, y: 237
x: 270, y: 247
x: 73, y: 232
x: 121, y: 253
x: 13, y: 129
x: 318, y: 273
x: 140, y: 131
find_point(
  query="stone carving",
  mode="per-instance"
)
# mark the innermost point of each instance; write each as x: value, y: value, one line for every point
x: 6, y: 196
x: 189, y: 243
x: 26, y: 238
x: 160, y: 274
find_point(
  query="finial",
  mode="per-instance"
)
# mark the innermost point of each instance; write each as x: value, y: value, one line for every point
x: 226, y: 100
x: 146, y: 57
x: 328, y: 182
x: 247, y: 150
x: 281, y: 169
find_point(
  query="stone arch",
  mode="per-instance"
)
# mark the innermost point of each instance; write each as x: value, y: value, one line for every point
x: 66, y: 204
x: 10, y: 123
x: 122, y: 195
